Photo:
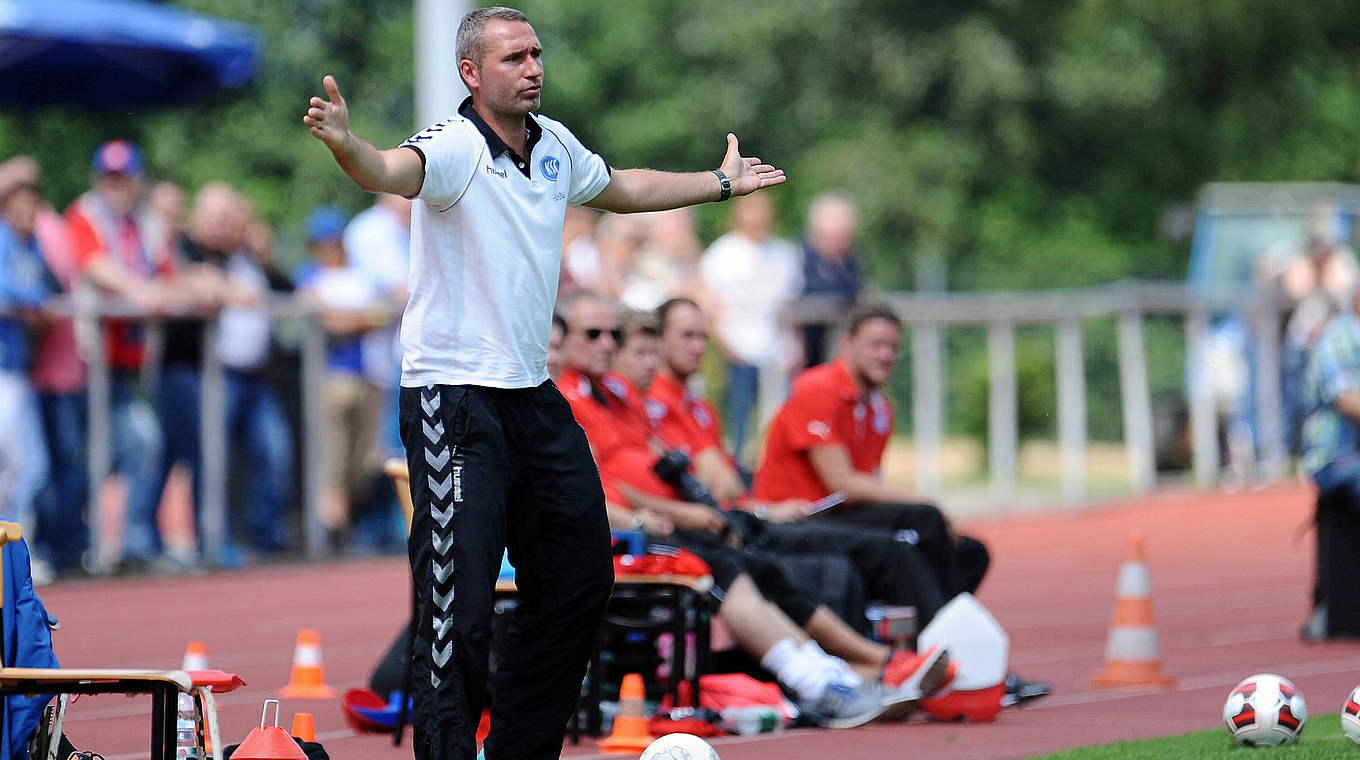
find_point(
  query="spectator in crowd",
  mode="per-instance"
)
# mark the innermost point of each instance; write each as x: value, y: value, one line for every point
x: 162, y: 217
x: 378, y: 243
x: 787, y: 635
x: 618, y: 239
x: 58, y: 377
x: 349, y: 302
x: 256, y: 426
x: 750, y: 275
x: 667, y: 264
x: 580, y: 255
x: 831, y: 265
x: 197, y: 257
x: 25, y: 284
x: 112, y: 255
x: 1331, y: 433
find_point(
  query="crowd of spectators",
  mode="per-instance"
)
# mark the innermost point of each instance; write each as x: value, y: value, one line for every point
x: 197, y: 270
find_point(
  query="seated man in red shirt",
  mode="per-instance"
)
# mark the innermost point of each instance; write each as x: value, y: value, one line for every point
x: 775, y: 621
x: 829, y: 438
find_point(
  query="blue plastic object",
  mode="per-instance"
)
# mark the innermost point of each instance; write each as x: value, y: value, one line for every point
x: 104, y: 54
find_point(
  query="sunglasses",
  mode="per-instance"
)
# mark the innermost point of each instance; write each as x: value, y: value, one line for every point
x: 593, y: 334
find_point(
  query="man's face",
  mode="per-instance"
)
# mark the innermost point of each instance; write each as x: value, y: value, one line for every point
x: 684, y: 340
x: 639, y: 359
x: 509, y: 77
x: 555, y: 352
x: 589, y: 345
x: 119, y: 191
x: 21, y: 210
x: 872, y: 351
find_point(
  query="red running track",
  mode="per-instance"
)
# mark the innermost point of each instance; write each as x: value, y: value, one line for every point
x: 1230, y: 578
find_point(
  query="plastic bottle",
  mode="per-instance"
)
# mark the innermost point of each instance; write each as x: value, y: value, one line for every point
x: 186, y: 729
x: 750, y: 719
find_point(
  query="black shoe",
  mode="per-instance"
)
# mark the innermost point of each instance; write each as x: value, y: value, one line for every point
x: 1019, y: 691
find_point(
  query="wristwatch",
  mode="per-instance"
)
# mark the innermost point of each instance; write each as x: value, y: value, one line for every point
x: 725, y: 184
x: 761, y: 512
x: 638, y: 521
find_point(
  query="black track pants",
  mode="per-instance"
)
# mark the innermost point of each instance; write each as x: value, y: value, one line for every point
x: 491, y: 469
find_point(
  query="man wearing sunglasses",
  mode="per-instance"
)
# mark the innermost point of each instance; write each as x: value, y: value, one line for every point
x: 496, y: 457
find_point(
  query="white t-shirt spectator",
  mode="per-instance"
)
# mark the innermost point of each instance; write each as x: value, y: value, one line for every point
x: 378, y: 243
x: 752, y: 282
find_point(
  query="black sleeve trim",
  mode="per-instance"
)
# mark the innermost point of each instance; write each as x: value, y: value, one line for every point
x: 419, y: 152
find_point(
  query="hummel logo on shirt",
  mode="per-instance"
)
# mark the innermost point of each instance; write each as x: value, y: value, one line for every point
x: 501, y: 173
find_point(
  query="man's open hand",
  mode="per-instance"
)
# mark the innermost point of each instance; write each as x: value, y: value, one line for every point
x: 328, y: 121
x: 747, y: 174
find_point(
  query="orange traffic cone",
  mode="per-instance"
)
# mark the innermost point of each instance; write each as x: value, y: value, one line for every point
x: 269, y: 742
x: 307, y: 680
x: 195, y: 656
x: 630, y: 735
x: 304, y: 727
x: 1131, y: 651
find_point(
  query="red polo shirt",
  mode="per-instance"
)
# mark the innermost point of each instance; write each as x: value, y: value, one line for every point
x: 618, y: 435
x: 691, y: 422
x: 824, y: 408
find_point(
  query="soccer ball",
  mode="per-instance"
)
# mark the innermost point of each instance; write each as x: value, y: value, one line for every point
x: 1350, y: 716
x: 1265, y: 710
x: 679, y: 747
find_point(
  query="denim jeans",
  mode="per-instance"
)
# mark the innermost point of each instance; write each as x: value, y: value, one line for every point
x: 258, y: 427
x: 137, y: 451
x: 743, y: 386
x: 23, y: 454
x: 62, y: 532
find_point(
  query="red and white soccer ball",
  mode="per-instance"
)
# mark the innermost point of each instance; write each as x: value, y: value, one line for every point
x: 1350, y: 716
x: 1265, y: 710
x: 679, y: 747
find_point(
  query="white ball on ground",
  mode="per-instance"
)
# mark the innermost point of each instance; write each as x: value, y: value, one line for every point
x: 1265, y: 710
x: 1350, y: 716
x: 679, y: 747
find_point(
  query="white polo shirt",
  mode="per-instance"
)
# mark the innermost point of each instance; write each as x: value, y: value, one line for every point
x: 486, y: 247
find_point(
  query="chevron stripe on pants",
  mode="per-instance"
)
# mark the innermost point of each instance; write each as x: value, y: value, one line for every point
x: 493, y: 469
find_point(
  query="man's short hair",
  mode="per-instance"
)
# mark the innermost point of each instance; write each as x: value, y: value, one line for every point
x: 567, y: 301
x: 865, y: 312
x: 634, y: 322
x: 663, y: 312
x: 469, y: 44
x: 559, y: 321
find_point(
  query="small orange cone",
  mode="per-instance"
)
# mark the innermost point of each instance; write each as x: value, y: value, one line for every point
x: 307, y: 680
x: 195, y: 656
x: 304, y: 727
x: 630, y: 735
x: 269, y: 742
x: 1131, y: 651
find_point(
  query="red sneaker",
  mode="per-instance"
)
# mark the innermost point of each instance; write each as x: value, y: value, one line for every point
x: 908, y: 677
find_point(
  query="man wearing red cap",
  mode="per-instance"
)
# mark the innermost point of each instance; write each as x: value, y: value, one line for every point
x: 112, y: 255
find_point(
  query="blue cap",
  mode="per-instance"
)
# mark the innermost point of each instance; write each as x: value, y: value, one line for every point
x: 326, y: 223
x: 117, y: 157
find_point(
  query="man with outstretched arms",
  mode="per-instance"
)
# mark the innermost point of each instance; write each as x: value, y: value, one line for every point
x: 494, y: 453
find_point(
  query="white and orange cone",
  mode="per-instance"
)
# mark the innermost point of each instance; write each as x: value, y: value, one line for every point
x: 1132, y: 651
x: 308, y: 681
x: 195, y: 656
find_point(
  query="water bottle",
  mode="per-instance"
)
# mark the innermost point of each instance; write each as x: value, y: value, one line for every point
x: 186, y: 729
x: 750, y: 719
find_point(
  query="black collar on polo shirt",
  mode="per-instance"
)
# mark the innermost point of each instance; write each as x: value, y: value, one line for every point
x: 495, y: 144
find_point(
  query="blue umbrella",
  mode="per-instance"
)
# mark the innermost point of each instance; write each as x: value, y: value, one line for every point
x: 104, y: 54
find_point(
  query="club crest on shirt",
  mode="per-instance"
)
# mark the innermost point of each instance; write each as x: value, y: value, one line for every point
x: 881, y: 419
x: 550, y: 167
x: 819, y: 429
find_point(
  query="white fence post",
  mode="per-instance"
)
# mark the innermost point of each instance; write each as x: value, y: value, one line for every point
x: 1203, y: 416
x: 1002, y: 411
x: 1071, y: 391
x: 1137, y: 408
x: 927, y: 406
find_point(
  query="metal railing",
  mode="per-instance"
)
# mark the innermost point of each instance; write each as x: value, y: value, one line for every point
x: 927, y: 315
